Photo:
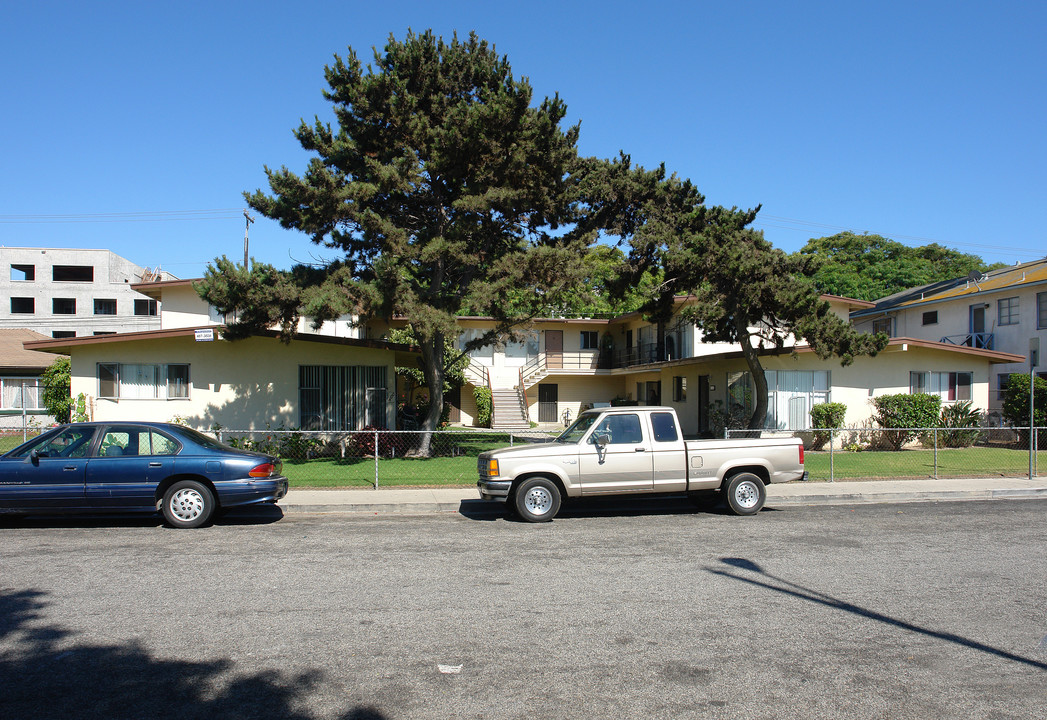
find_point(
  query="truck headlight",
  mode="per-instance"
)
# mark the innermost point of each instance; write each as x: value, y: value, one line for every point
x: 492, y: 468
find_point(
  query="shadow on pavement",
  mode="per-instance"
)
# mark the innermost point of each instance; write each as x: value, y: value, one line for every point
x: 249, y: 515
x: 45, y: 672
x: 626, y: 506
x: 747, y: 571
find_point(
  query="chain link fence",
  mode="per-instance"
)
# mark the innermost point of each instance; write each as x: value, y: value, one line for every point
x: 375, y: 458
x: 379, y: 457
x: 908, y: 453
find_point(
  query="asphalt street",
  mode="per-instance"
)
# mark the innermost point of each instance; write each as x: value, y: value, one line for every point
x: 928, y: 610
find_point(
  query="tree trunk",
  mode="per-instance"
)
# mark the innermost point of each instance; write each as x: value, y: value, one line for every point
x: 752, y: 359
x: 433, y: 371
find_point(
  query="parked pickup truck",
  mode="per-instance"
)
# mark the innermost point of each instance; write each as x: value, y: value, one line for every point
x: 634, y: 450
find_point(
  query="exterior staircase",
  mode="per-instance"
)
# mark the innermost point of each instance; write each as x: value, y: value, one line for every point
x: 508, y: 410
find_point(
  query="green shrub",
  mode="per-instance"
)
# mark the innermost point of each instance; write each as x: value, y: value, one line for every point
x: 953, y: 420
x: 484, y: 406
x: 1016, y: 406
x: 902, y: 416
x: 826, y: 416
x: 55, y: 397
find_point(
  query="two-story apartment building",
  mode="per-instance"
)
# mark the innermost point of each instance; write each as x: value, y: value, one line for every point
x: 1000, y: 311
x: 344, y: 376
x: 67, y: 293
x: 564, y: 365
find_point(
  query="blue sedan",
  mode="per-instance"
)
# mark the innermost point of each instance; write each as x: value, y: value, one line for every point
x: 135, y: 467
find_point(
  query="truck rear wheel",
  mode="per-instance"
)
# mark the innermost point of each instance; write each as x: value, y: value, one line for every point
x: 745, y: 493
x: 537, y: 500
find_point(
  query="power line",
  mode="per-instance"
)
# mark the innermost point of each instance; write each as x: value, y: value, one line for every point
x: 121, y: 217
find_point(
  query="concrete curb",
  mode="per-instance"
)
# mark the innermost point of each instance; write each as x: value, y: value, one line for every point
x: 408, y: 501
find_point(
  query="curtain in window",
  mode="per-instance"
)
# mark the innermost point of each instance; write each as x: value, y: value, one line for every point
x: 19, y: 393
x: 336, y: 397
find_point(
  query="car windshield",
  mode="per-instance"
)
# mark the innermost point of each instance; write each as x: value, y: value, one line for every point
x: 71, y: 441
x: 577, y: 430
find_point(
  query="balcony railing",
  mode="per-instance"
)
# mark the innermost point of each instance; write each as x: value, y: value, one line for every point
x: 982, y: 341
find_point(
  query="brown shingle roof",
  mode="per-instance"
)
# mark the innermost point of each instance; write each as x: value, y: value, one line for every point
x: 16, y: 359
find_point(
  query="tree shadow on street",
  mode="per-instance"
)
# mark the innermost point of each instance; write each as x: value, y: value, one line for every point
x: 46, y: 673
x: 752, y: 573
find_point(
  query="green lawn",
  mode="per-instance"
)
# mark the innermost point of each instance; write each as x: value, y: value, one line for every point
x: 458, y: 465
x: 965, y: 462
x: 327, y: 472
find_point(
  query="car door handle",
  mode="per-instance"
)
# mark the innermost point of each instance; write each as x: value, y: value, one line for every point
x: 70, y: 467
x: 156, y: 464
x: 640, y: 449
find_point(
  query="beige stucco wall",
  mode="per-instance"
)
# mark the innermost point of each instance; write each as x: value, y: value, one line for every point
x: 574, y: 392
x: 853, y: 385
x: 183, y: 307
x: 249, y: 384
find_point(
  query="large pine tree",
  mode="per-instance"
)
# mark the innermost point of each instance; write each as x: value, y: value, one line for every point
x: 444, y: 189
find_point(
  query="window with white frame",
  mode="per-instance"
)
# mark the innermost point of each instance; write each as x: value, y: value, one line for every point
x: 141, y: 381
x: 590, y: 340
x: 1002, y: 381
x: 20, y: 393
x: 790, y: 396
x: 342, y: 397
x: 485, y: 354
x: 949, y: 386
x: 1007, y: 309
x: 679, y: 388
x: 883, y: 325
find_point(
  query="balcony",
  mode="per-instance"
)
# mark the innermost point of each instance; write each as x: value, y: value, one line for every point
x: 982, y: 341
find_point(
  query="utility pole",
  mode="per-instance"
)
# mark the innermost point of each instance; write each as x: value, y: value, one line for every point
x: 247, y: 226
x: 1034, y: 352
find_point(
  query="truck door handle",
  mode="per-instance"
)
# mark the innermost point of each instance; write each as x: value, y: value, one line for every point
x: 640, y: 449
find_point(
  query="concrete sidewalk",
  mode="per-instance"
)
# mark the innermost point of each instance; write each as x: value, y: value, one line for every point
x: 451, y: 500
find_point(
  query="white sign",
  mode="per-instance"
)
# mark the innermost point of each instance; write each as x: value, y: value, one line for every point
x: 205, y: 335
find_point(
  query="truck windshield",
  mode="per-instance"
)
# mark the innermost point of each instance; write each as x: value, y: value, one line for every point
x: 575, y: 433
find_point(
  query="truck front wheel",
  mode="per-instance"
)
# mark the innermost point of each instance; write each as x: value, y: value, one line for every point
x: 745, y: 493
x: 537, y: 500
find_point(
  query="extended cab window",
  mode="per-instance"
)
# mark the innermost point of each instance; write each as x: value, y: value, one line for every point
x: 622, y: 429
x: 664, y: 426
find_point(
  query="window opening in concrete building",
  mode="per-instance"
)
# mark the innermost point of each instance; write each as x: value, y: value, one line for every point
x: 63, y: 333
x: 23, y: 306
x: 63, y: 306
x: 105, y: 307
x: 73, y: 273
x: 23, y: 273
x: 145, y: 307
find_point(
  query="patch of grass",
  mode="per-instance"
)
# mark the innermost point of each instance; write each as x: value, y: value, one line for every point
x: 360, y: 472
x: 879, y: 465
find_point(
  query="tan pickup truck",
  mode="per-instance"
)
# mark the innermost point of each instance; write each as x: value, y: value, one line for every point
x: 635, y: 450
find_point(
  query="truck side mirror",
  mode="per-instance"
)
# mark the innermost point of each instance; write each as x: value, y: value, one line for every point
x: 602, y: 440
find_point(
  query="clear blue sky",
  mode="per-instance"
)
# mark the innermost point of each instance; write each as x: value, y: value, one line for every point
x: 921, y: 121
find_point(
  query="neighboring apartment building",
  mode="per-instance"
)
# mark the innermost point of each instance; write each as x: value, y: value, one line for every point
x: 72, y: 293
x: 185, y: 371
x: 21, y: 395
x: 999, y: 311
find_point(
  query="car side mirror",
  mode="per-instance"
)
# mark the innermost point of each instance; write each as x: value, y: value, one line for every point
x: 602, y: 440
x: 34, y: 457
